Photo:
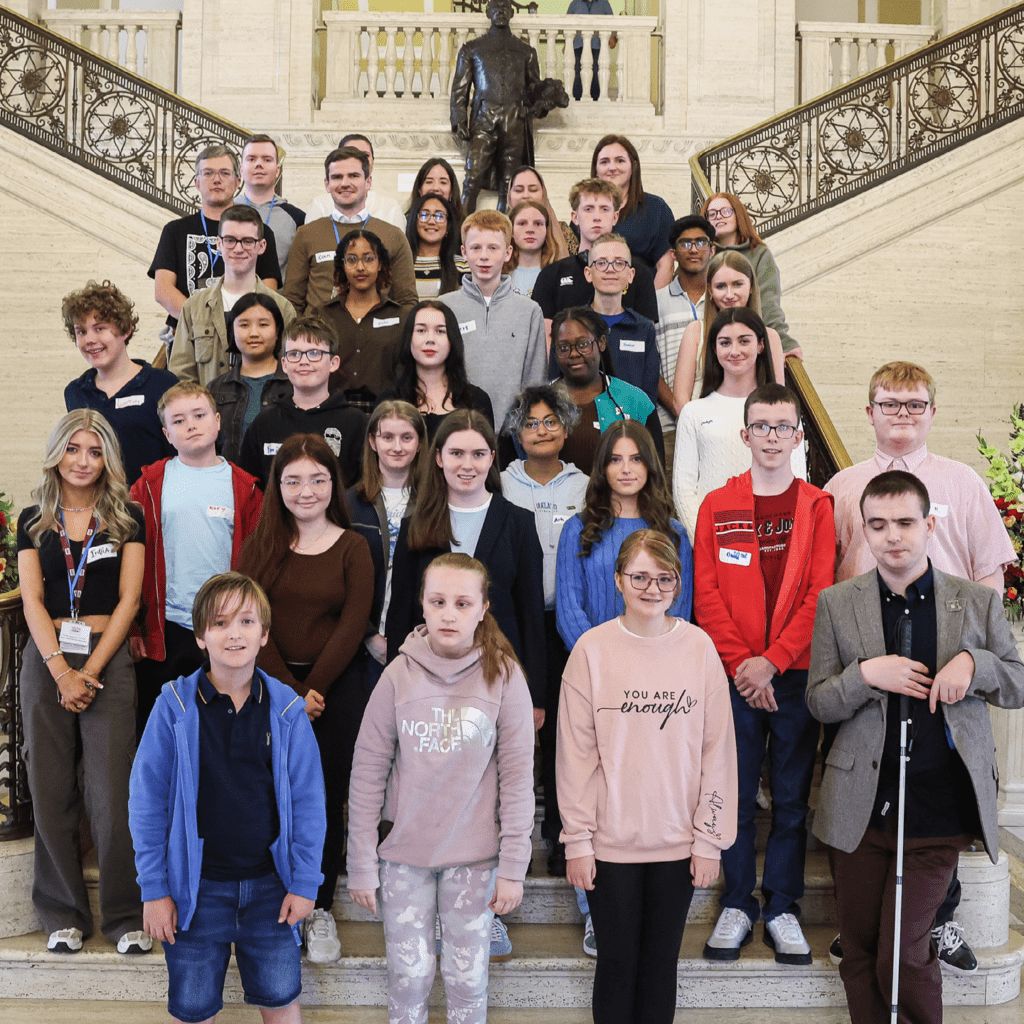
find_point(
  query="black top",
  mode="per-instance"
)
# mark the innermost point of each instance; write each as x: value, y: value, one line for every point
x: 367, y: 520
x: 561, y: 285
x: 100, y: 592
x: 131, y: 412
x: 940, y: 799
x: 231, y: 394
x: 481, y: 402
x: 236, y: 811
x: 185, y: 248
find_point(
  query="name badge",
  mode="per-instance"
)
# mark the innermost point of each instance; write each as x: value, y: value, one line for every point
x: 733, y: 557
x: 220, y: 511
x: 632, y: 345
x: 938, y: 510
x: 270, y: 448
x: 388, y: 321
x: 469, y: 325
x: 128, y: 401
x: 98, y: 551
x: 324, y: 257
x: 75, y: 637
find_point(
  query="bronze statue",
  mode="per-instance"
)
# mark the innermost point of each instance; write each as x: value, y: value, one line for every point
x: 503, y: 73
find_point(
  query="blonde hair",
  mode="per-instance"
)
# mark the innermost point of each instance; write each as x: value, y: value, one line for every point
x: 111, y: 499
x: 734, y: 261
x: 900, y: 376
x: 657, y: 544
x: 185, y: 389
x: 371, y: 481
x: 488, y: 220
x: 215, y: 594
x: 497, y: 656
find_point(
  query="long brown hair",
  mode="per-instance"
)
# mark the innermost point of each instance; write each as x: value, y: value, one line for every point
x: 634, y: 196
x: 548, y: 252
x: 714, y: 374
x: 430, y: 524
x: 745, y: 230
x: 371, y: 481
x: 497, y: 656
x: 268, y: 546
x: 653, y: 501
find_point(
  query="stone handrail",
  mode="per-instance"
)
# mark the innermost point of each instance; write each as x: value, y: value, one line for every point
x: 378, y: 58
x: 144, y: 42
x: 830, y: 54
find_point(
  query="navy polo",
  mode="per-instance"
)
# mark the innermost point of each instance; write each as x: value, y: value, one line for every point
x: 236, y: 812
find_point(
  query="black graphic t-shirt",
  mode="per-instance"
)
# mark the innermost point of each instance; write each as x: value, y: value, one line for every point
x: 773, y: 521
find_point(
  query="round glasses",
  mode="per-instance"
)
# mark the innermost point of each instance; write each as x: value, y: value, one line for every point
x: 723, y: 214
x: 618, y: 265
x: 368, y: 259
x: 550, y: 423
x: 584, y: 347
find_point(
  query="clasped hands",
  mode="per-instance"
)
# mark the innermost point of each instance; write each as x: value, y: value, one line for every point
x: 753, y: 681
x: 896, y: 674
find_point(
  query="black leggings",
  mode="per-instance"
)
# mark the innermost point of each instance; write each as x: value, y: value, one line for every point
x: 638, y: 911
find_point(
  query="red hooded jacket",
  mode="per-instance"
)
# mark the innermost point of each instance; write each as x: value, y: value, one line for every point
x: 148, y: 491
x: 728, y: 595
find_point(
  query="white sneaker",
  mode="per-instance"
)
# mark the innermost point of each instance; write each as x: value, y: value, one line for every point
x: 134, y: 942
x: 65, y: 940
x: 322, y: 945
x: 589, y: 942
x: 784, y: 935
x: 734, y: 929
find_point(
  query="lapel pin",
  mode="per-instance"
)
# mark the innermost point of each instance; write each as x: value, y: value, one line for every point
x: 955, y: 605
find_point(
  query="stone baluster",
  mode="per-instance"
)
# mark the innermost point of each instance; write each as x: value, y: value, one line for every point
x: 568, y: 59
x: 603, y: 63
x: 551, y: 53
x: 625, y: 93
x: 845, y: 42
x: 862, y: 55
x: 372, y: 62
x: 134, y: 55
x: 113, y: 53
x: 390, y: 62
x: 408, y: 62
x: 444, y: 62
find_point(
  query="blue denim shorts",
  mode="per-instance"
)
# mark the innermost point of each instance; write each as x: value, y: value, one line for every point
x: 268, y: 954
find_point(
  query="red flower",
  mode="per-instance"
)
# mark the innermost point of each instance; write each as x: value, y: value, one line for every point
x: 3, y: 521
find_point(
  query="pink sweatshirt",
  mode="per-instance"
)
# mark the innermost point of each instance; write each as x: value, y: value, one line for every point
x: 646, y: 762
x: 455, y: 755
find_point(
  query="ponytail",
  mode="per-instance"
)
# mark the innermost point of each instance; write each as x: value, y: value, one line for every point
x: 497, y: 656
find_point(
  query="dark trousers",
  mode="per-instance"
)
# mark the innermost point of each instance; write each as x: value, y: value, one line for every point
x: 557, y: 656
x: 865, y: 885
x: 638, y: 911
x: 182, y: 658
x: 577, y: 84
x: 792, y: 748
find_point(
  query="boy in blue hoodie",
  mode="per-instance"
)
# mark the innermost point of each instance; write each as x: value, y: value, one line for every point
x: 227, y: 816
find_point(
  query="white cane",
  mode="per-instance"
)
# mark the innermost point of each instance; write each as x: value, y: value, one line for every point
x: 903, y: 633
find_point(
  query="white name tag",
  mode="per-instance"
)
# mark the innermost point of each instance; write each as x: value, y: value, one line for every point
x: 98, y: 551
x: 938, y: 510
x: 220, y: 511
x: 74, y: 637
x: 128, y: 401
x: 733, y: 557
x: 324, y: 257
x: 388, y: 321
x: 270, y: 448
x: 469, y: 325
x: 632, y: 345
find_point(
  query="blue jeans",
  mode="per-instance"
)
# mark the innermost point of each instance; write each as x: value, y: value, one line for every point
x: 791, y: 735
x: 268, y: 955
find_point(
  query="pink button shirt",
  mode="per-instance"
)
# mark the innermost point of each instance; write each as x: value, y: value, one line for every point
x: 970, y: 540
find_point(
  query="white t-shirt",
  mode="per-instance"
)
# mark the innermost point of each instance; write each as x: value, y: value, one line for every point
x: 467, y: 525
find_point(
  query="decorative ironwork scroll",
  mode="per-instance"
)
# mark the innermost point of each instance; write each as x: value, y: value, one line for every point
x: 15, y: 802
x: 876, y: 127
x: 103, y: 117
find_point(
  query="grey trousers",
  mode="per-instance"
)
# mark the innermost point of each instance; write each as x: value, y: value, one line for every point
x: 106, y: 734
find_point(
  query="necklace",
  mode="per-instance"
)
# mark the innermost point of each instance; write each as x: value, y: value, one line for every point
x: 67, y: 508
x: 298, y: 548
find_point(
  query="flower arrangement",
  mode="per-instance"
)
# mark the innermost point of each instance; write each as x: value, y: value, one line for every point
x: 1005, y: 478
x: 8, y: 546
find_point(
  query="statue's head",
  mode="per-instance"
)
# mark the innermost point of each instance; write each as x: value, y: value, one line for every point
x: 499, y: 12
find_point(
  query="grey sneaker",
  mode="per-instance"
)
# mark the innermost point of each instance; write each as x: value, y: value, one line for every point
x: 501, y: 944
x: 733, y: 930
x: 784, y: 935
x: 65, y: 940
x: 589, y: 942
x: 134, y: 942
x: 953, y: 952
x: 322, y: 945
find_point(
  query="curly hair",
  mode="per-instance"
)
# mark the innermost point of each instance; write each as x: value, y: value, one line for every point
x: 104, y: 301
x: 554, y: 396
x: 383, y: 260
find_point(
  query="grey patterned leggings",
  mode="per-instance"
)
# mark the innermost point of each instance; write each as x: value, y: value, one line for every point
x: 411, y: 898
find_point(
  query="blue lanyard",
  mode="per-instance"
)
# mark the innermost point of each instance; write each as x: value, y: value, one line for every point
x: 76, y: 579
x: 269, y: 212
x: 206, y: 238
x: 334, y: 224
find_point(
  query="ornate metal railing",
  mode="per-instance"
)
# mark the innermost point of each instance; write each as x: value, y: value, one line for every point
x: 102, y: 116
x: 15, y: 802
x: 826, y: 453
x: 878, y: 126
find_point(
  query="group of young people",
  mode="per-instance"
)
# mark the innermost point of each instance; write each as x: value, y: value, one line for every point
x: 333, y: 610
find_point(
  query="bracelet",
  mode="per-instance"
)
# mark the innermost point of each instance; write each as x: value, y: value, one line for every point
x: 62, y: 675
x: 56, y: 654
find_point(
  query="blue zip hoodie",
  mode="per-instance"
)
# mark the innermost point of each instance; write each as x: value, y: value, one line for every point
x: 165, y: 787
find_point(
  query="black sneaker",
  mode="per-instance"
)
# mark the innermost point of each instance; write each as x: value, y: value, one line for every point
x: 953, y: 952
x: 835, y: 952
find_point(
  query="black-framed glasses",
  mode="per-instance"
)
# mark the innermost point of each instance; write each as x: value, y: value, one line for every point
x: 893, y: 408
x: 693, y: 243
x: 618, y: 265
x: 584, y: 347
x: 782, y: 430
x: 723, y: 214
x: 667, y: 582
x: 230, y: 242
x: 314, y: 355
x: 531, y: 426
x: 426, y: 216
x: 368, y: 259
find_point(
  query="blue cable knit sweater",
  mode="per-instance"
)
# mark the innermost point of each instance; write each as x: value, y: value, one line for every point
x: 585, y: 593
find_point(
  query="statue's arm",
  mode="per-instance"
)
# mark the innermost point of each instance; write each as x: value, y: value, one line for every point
x: 462, y: 84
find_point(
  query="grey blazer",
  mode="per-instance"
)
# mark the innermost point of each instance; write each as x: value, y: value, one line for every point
x: 848, y: 630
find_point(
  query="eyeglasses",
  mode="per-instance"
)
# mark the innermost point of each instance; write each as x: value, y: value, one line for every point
x: 692, y: 243
x: 219, y: 175
x: 314, y: 355
x: 618, y: 265
x: 782, y: 430
x: 893, y: 408
x: 723, y: 214
x: 564, y: 348
x: 425, y: 216
x: 318, y: 483
x: 550, y: 423
x: 230, y: 242
x: 641, y: 581
x: 368, y: 259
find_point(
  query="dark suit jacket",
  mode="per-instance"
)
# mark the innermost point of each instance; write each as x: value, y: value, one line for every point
x: 847, y: 631
x: 509, y: 547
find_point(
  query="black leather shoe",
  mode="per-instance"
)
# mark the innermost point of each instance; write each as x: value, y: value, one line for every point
x: 953, y: 952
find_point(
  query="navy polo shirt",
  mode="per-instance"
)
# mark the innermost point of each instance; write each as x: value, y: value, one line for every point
x: 561, y: 285
x: 236, y: 812
x: 131, y: 412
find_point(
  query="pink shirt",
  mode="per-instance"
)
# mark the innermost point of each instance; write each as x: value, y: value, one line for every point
x: 970, y: 540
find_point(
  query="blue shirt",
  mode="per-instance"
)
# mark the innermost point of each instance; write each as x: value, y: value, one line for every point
x: 592, y: 7
x: 633, y: 343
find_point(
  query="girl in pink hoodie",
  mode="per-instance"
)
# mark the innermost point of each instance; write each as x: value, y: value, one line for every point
x: 448, y: 734
x: 646, y: 772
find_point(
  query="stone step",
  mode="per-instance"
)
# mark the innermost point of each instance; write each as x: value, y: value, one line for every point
x: 548, y: 969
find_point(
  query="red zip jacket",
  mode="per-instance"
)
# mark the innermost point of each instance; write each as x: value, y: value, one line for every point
x: 148, y: 491
x: 728, y: 595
